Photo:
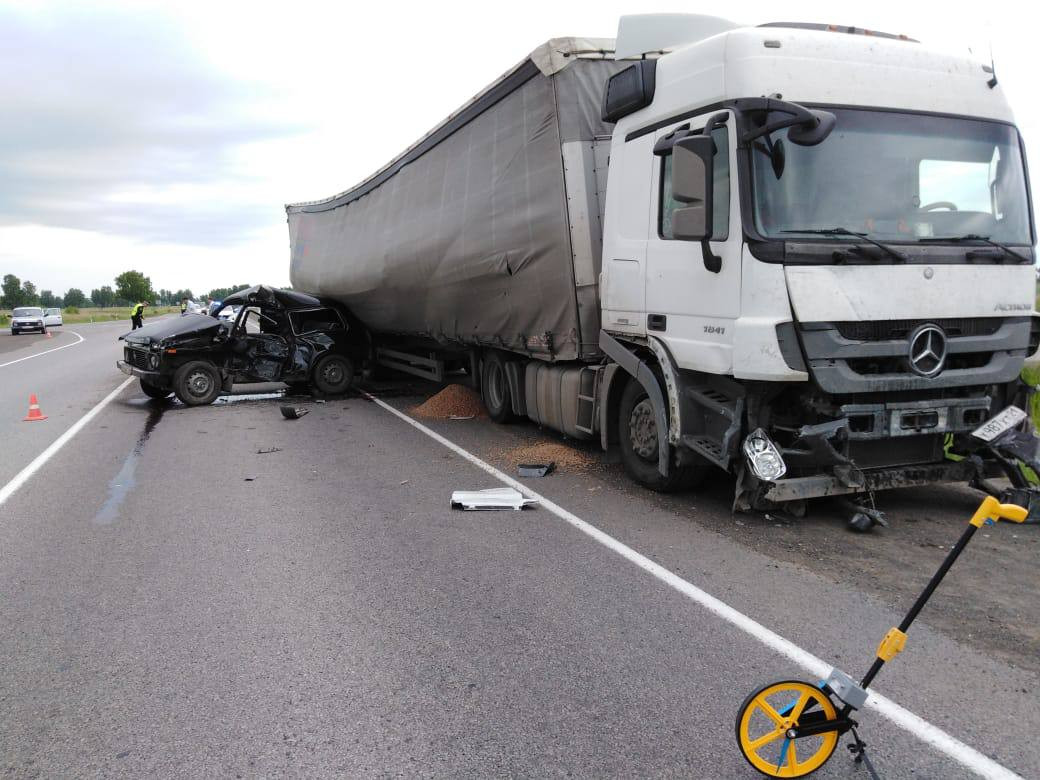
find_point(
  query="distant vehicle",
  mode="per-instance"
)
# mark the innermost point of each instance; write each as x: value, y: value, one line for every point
x: 27, y: 318
x: 275, y: 336
x: 227, y: 313
x: 52, y: 317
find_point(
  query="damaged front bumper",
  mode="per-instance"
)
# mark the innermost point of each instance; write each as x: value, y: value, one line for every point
x: 132, y: 370
x: 823, y: 485
x: 1013, y: 453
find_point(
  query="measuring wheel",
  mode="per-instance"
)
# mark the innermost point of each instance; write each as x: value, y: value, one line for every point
x: 767, y: 725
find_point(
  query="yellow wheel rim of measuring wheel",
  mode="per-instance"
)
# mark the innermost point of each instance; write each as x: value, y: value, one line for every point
x: 769, y: 750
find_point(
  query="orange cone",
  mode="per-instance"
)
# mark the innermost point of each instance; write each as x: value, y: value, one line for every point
x: 34, y: 410
x: 50, y: 335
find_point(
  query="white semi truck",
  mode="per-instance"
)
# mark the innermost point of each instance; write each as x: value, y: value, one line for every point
x: 799, y: 253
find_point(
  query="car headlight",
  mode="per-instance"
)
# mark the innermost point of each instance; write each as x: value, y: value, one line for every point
x: 763, y: 458
x: 153, y: 361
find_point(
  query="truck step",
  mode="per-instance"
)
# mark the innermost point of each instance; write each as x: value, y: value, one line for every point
x: 713, y: 399
x: 707, y: 447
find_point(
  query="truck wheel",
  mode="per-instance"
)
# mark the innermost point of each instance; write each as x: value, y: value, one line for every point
x: 333, y: 375
x: 154, y: 391
x: 637, y: 431
x: 494, y: 389
x: 197, y: 383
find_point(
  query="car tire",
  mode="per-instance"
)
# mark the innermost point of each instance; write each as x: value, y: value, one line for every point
x: 637, y: 432
x: 197, y: 383
x: 333, y: 375
x: 154, y: 391
x: 494, y: 388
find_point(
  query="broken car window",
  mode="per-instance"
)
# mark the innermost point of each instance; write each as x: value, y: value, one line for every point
x: 311, y: 320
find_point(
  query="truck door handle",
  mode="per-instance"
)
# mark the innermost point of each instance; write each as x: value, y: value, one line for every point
x: 656, y: 322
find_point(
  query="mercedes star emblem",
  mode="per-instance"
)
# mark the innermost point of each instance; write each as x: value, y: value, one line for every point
x: 927, y: 350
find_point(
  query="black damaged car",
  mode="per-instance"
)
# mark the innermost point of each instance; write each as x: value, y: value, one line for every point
x: 259, y: 334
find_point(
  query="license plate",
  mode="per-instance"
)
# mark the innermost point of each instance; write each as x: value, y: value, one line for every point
x: 1002, y: 423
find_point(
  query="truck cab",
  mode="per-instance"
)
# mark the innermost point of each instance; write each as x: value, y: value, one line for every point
x: 824, y: 235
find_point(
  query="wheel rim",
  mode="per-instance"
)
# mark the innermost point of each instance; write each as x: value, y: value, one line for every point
x: 763, y: 723
x: 199, y: 383
x: 332, y: 372
x: 496, y: 393
x: 642, y: 430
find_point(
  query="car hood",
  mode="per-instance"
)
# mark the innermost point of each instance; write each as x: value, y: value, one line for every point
x: 174, y: 329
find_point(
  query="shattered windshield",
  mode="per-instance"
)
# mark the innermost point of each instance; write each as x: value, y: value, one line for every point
x: 897, y: 177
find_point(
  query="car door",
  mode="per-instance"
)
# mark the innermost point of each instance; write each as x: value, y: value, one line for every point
x: 689, y: 307
x: 260, y: 347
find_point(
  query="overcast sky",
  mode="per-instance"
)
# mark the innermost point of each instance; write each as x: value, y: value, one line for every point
x: 167, y: 137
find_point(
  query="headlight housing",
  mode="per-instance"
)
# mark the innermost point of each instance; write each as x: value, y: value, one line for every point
x: 153, y: 360
x: 763, y: 457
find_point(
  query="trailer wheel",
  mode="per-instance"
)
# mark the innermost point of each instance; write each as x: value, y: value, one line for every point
x: 197, y: 383
x: 494, y: 389
x: 637, y: 432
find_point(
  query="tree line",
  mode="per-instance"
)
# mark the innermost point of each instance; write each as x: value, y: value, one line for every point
x: 130, y: 287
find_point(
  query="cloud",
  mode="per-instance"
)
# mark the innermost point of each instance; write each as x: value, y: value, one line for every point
x: 100, y: 104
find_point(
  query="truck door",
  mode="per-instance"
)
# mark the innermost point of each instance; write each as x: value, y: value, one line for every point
x: 689, y: 307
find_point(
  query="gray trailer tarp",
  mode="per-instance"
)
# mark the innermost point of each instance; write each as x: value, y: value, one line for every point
x: 467, y: 236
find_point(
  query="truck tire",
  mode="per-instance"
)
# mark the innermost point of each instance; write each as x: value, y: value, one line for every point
x: 494, y: 389
x: 197, y: 383
x: 154, y: 391
x: 637, y: 432
x: 333, y: 375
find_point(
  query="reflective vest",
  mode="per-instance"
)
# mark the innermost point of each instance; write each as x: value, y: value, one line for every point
x: 138, y: 310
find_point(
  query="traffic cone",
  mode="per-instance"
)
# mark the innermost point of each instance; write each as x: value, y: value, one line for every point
x: 34, y: 410
x: 50, y: 335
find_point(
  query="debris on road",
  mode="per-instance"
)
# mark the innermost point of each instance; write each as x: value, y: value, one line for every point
x: 293, y: 412
x: 452, y: 403
x: 562, y: 455
x: 536, y: 469
x: 492, y: 498
x: 268, y: 450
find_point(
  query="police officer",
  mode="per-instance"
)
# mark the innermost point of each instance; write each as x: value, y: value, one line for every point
x: 137, y: 315
x: 184, y: 305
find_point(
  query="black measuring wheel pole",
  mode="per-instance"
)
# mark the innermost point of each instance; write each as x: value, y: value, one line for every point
x: 990, y: 511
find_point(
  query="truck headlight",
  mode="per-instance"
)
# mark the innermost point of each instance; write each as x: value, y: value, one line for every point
x: 153, y: 361
x: 763, y: 458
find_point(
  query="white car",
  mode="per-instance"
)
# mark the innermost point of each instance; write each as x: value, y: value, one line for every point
x: 26, y: 318
x: 52, y: 317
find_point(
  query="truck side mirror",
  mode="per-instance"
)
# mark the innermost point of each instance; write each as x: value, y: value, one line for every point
x: 692, y: 184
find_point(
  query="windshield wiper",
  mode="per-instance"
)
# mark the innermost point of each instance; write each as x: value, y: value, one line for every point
x: 975, y: 237
x: 840, y: 231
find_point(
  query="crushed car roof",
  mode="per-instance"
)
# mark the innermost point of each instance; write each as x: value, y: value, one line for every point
x: 290, y: 299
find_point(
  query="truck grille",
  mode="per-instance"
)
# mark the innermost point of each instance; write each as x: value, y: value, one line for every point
x: 136, y: 358
x: 900, y: 330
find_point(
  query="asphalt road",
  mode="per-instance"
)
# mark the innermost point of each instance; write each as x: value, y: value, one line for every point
x: 221, y: 592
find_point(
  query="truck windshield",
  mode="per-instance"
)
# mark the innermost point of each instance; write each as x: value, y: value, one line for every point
x: 897, y: 177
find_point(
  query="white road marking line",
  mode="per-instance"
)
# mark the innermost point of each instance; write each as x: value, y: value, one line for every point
x: 927, y: 732
x: 25, y: 474
x: 47, y: 351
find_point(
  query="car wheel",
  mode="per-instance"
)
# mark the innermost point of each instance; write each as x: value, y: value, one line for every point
x: 333, y: 375
x: 154, y: 391
x: 494, y: 389
x: 637, y: 431
x: 197, y: 383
